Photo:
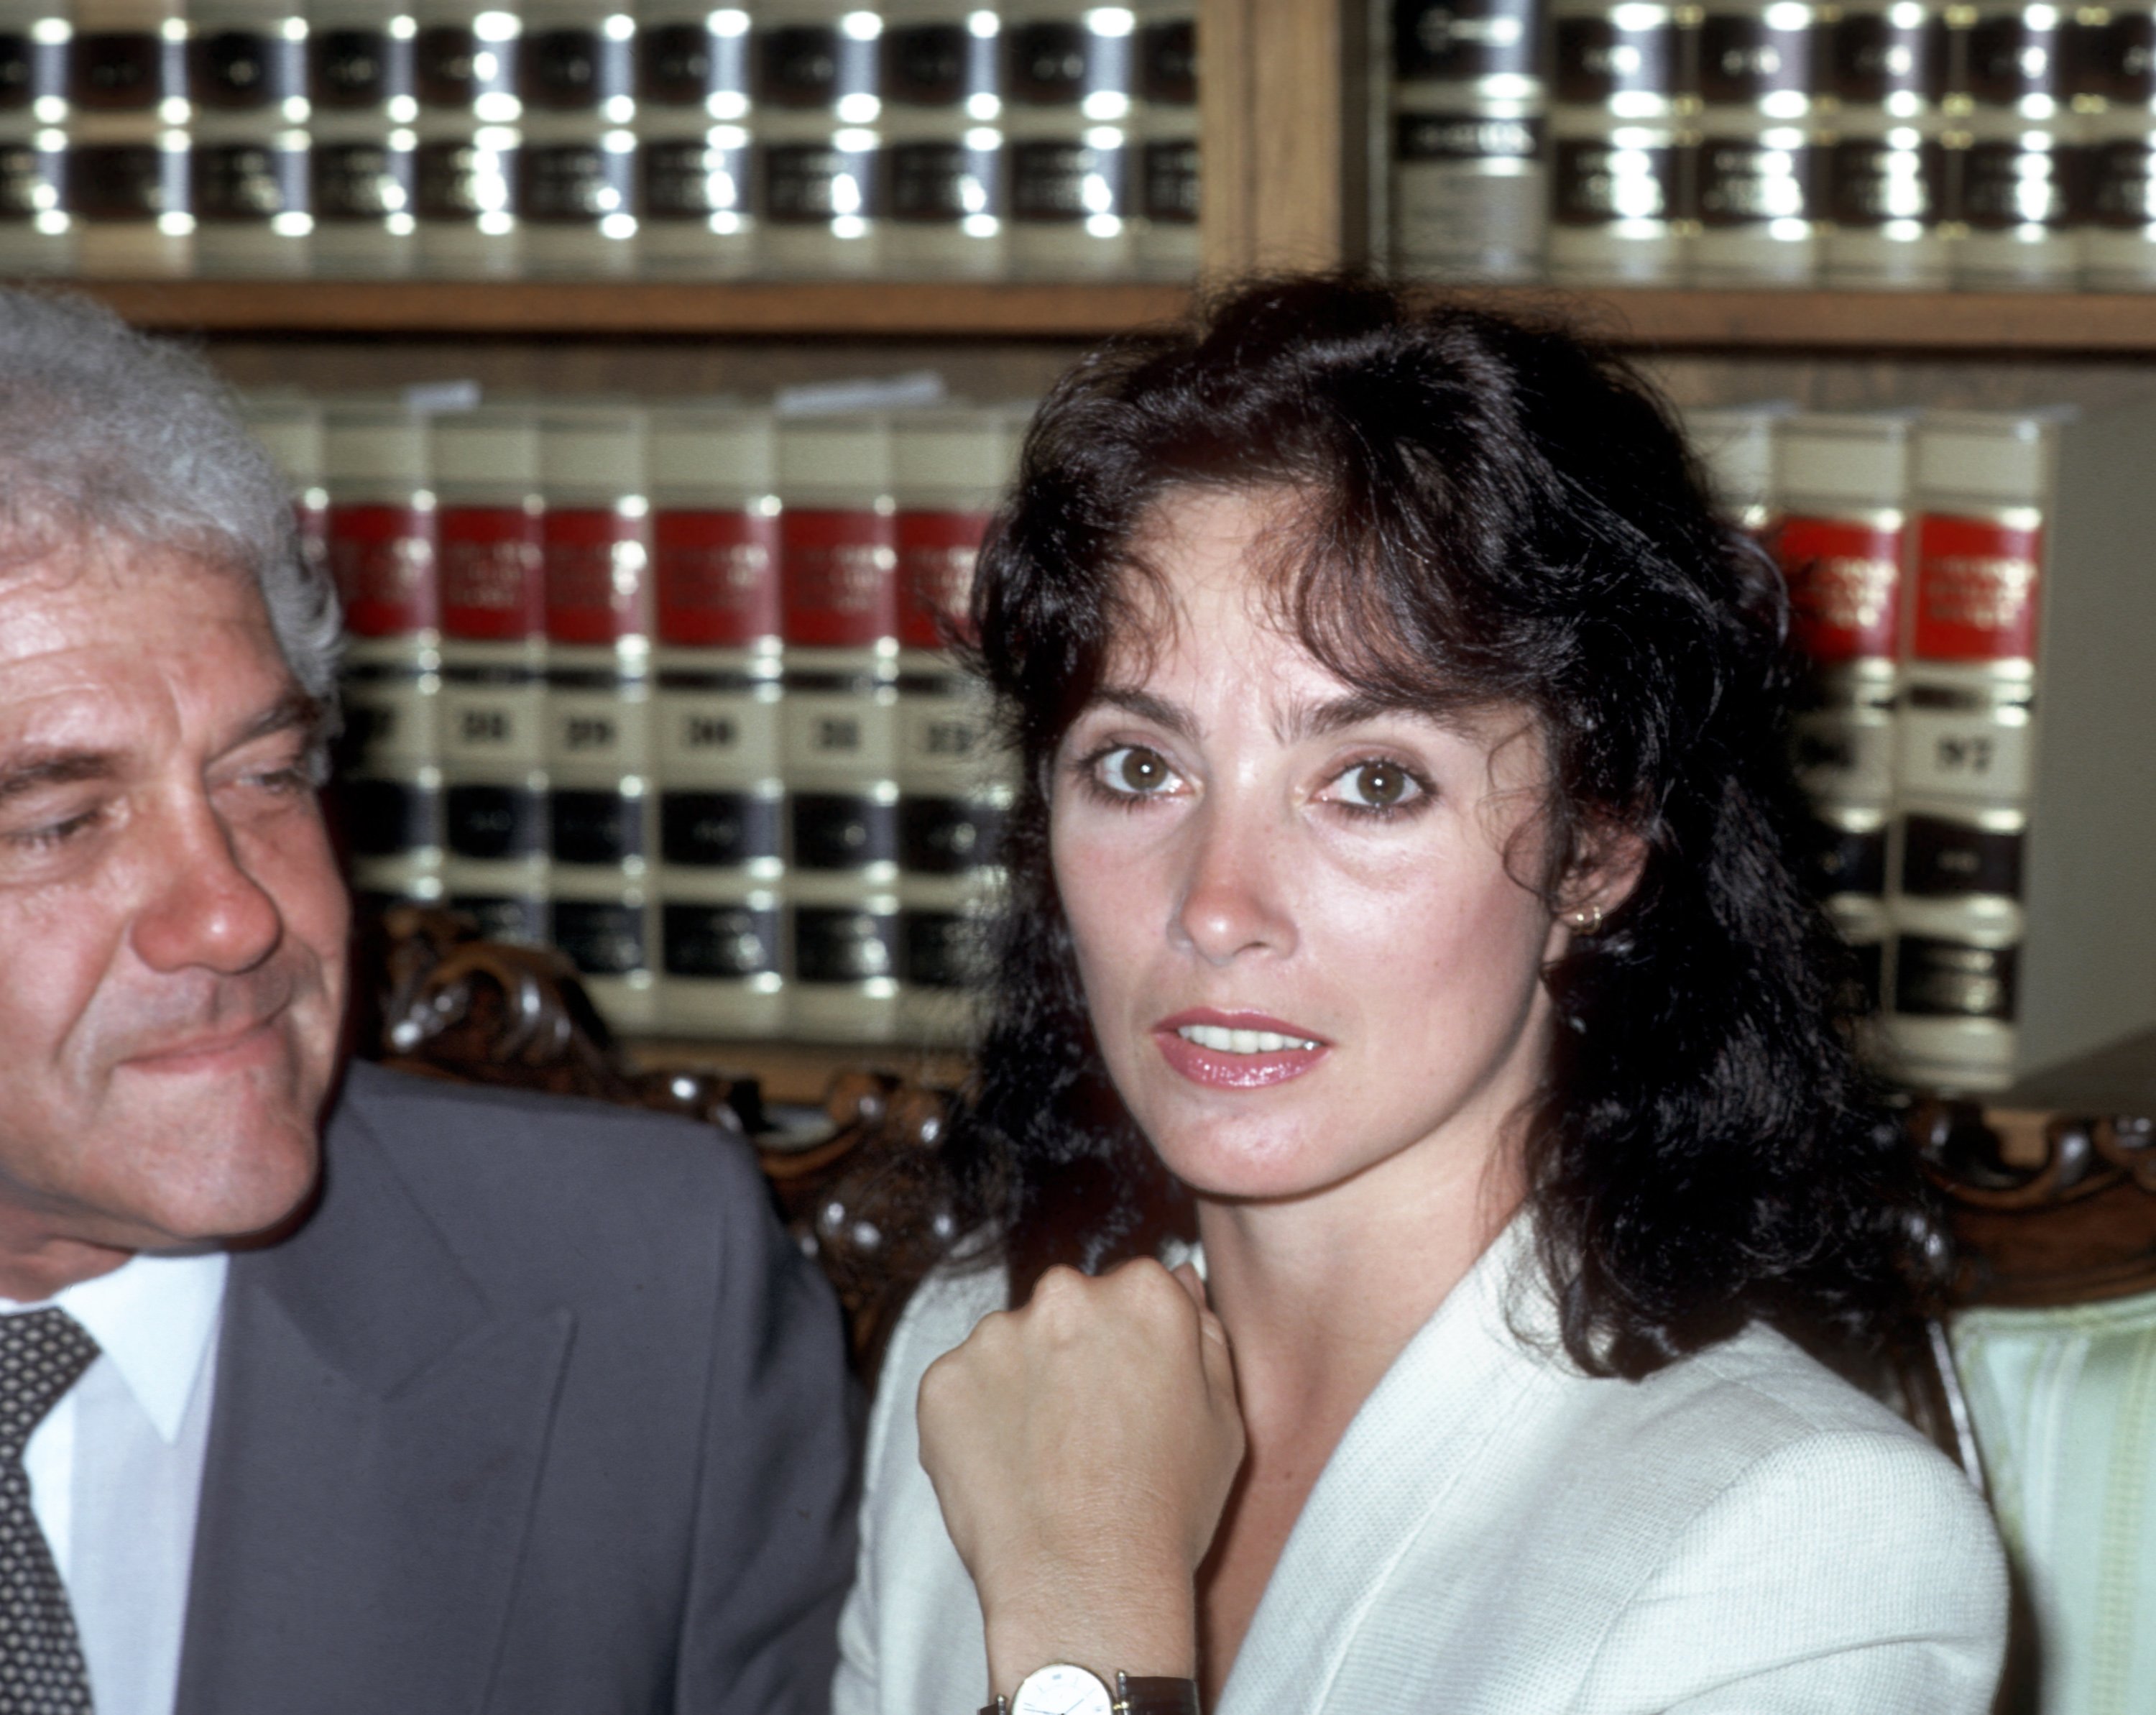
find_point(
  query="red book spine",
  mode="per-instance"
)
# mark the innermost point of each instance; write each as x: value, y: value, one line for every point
x: 1845, y: 579
x: 937, y: 551
x: 716, y: 575
x: 493, y: 590
x: 1976, y: 590
x: 838, y: 578
x: 382, y: 556
x: 597, y: 575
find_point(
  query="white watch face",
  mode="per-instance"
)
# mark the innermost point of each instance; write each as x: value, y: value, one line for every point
x: 1061, y: 1689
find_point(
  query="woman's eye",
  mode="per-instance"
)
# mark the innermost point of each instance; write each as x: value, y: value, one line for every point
x: 1377, y: 786
x: 1132, y: 770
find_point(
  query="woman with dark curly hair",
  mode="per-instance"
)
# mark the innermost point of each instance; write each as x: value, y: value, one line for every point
x: 1399, y: 909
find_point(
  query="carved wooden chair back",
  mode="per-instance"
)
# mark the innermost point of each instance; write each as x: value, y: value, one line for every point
x: 2041, y: 1380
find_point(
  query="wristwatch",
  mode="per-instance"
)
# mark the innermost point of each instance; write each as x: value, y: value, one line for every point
x: 1061, y: 1689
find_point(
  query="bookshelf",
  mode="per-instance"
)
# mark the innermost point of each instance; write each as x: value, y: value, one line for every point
x: 1284, y: 114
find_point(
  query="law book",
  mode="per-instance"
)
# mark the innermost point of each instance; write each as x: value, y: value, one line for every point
x: 1468, y: 187
x: 1165, y: 141
x: 817, y: 142
x: 2115, y: 91
x: 1737, y: 446
x: 288, y: 425
x: 247, y: 90
x: 467, y: 138
x: 380, y: 538
x: 694, y: 171
x: 37, y: 235
x: 1843, y: 499
x: 575, y: 190
x: 1759, y: 85
x: 949, y: 468
x: 1067, y: 82
x: 945, y: 192
x: 2025, y: 806
x: 839, y: 595
x: 361, y: 109
x: 1622, y: 142
x: 1883, y: 151
x: 595, y: 551
x: 129, y: 186
x: 489, y: 543
x: 2015, y: 171
x: 714, y: 545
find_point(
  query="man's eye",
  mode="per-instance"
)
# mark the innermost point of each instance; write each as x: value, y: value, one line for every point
x: 273, y: 779
x: 1378, y: 786
x: 1136, y: 771
x: 49, y: 834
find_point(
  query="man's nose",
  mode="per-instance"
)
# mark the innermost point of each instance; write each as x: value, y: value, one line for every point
x: 204, y: 909
x: 1230, y: 903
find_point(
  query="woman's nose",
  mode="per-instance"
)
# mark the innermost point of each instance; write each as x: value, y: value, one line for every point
x: 1230, y: 903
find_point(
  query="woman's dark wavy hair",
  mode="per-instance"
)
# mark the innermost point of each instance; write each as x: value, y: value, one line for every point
x: 1489, y: 510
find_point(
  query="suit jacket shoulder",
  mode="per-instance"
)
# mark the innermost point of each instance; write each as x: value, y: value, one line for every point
x: 553, y: 1196
x: 538, y: 1411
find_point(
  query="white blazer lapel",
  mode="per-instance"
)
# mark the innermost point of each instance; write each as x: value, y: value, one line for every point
x: 1435, y: 1418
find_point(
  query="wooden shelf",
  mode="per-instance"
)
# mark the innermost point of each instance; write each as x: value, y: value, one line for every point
x: 522, y: 309
x: 1993, y: 323
x: 1987, y: 323
x: 796, y: 1071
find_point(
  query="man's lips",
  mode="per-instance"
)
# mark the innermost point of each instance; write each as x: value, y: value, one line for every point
x: 206, y: 1048
x: 1237, y: 1050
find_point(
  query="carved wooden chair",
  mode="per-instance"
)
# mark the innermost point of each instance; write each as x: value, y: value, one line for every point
x: 2043, y: 1381
x: 858, y: 1197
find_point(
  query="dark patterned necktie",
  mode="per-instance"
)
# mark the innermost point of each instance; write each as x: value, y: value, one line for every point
x: 42, y: 1354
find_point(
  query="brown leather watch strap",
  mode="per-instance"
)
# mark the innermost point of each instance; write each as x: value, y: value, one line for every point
x: 1156, y: 1696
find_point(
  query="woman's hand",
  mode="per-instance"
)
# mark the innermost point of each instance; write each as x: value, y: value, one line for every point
x: 1082, y: 1449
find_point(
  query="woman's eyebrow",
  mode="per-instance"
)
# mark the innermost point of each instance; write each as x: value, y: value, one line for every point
x: 1147, y: 706
x: 1301, y: 720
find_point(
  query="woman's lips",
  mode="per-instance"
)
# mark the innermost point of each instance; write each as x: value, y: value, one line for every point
x: 1237, y: 1050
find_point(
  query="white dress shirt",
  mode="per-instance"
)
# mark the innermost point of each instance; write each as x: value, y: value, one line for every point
x: 116, y: 1469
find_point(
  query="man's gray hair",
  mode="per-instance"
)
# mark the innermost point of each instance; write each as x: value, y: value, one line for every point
x: 109, y: 437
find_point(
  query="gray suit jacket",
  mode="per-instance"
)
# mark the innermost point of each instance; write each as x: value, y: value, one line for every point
x: 538, y: 1412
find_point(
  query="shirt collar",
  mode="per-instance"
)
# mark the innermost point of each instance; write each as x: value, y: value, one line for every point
x: 155, y: 1319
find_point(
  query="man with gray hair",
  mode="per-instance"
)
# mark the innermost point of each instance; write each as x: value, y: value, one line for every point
x: 323, y: 1389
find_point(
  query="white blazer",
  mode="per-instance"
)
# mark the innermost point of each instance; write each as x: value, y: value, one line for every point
x: 1498, y: 1534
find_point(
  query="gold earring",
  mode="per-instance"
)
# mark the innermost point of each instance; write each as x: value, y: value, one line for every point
x: 1586, y: 920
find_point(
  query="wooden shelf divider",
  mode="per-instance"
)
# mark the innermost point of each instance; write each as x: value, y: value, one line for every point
x: 523, y: 309
x: 1972, y: 323
x: 1969, y: 323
